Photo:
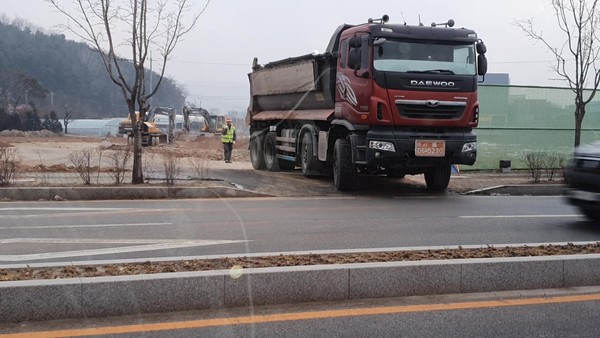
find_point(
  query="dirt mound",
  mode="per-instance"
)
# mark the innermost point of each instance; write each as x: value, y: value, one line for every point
x: 43, y: 152
x: 206, y: 147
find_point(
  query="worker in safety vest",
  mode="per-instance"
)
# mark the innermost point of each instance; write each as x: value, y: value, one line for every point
x: 228, y: 139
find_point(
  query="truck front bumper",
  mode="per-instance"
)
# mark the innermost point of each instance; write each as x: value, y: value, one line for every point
x: 396, y: 148
x: 583, y: 184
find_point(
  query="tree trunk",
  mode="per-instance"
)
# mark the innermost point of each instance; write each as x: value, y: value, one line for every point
x: 186, y: 120
x: 578, y: 123
x: 137, y: 174
x: 579, y: 114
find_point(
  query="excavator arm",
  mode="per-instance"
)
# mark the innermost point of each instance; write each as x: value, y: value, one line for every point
x: 211, y: 128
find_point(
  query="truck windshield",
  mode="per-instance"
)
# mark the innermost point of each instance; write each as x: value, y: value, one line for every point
x: 420, y: 57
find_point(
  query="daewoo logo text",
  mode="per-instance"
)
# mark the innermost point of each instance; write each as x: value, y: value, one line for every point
x: 430, y: 83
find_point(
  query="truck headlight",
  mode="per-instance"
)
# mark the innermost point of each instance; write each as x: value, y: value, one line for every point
x: 468, y: 147
x: 380, y: 145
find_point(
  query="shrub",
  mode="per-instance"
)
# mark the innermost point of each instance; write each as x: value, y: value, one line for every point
x: 119, y: 159
x: 9, y: 165
x: 172, y: 166
x: 84, y: 162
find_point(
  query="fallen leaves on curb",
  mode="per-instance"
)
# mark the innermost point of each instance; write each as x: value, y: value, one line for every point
x: 78, y: 271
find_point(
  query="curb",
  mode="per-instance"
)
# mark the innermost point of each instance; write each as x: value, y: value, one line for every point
x: 115, y: 193
x: 176, y: 192
x: 40, y: 300
x: 521, y: 190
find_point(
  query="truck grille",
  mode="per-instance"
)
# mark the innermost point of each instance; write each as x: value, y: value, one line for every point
x: 431, y: 109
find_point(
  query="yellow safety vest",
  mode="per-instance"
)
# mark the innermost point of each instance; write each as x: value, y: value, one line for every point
x: 228, y: 136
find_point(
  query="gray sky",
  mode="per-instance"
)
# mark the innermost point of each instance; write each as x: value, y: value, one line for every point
x: 213, y: 61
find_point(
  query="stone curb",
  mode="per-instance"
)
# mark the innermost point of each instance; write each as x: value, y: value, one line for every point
x: 521, y: 190
x: 115, y: 193
x: 175, y: 192
x: 40, y: 300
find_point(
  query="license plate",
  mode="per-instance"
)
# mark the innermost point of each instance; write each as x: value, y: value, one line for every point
x: 430, y: 148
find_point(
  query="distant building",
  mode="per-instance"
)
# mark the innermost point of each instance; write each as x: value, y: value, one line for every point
x: 501, y: 79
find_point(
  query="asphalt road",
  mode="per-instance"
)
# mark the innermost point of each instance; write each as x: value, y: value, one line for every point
x: 538, y: 313
x: 106, y: 230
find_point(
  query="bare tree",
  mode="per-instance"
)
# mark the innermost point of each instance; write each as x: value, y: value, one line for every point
x: 150, y: 26
x: 577, y: 58
x: 66, y: 119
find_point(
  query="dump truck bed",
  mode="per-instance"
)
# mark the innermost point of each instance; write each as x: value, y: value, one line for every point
x: 300, y: 85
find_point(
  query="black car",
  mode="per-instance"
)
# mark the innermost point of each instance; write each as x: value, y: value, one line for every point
x: 583, y: 180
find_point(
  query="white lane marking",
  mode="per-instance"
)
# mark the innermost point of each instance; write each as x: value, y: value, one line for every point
x: 63, y: 209
x: 158, y: 245
x: 41, y: 227
x: 520, y: 216
x: 84, y: 213
x: 88, y: 240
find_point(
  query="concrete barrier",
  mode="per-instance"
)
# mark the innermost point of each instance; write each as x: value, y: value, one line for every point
x: 40, y: 300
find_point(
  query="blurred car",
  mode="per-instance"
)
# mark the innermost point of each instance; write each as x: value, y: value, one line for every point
x: 583, y: 180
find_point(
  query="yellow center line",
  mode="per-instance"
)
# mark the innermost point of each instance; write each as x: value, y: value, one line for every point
x: 202, y: 323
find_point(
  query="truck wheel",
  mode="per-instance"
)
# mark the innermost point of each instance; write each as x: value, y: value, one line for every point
x: 438, y: 177
x: 270, y: 154
x: 256, y: 152
x: 310, y: 165
x: 344, y: 173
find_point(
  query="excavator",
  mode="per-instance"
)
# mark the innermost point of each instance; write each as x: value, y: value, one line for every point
x: 213, y: 123
x: 151, y: 133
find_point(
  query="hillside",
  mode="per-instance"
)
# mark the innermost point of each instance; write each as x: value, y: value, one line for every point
x: 58, y: 74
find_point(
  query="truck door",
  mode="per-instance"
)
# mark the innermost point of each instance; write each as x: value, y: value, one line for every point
x: 353, y: 84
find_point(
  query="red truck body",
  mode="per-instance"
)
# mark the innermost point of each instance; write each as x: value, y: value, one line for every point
x: 383, y: 99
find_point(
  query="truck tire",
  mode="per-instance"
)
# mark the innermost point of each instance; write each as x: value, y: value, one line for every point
x: 344, y: 173
x: 256, y: 152
x: 270, y: 153
x: 438, y: 177
x: 310, y: 165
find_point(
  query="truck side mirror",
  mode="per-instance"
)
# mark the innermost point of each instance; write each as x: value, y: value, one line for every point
x: 481, y: 48
x: 481, y: 64
x: 355, y: 42
x: 354, y: 58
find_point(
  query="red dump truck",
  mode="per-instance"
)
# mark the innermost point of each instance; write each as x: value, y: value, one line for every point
x: 390, y: 99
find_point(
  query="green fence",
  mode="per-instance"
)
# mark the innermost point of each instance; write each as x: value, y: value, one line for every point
x: 515, y: 120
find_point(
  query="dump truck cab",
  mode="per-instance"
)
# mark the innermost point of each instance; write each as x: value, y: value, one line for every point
x: 416, y: 89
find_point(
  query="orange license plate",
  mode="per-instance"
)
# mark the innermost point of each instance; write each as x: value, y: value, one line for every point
x: 430, y: 148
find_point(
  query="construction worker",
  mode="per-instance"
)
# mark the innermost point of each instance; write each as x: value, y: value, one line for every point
x: 228, y: 139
